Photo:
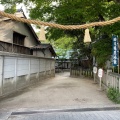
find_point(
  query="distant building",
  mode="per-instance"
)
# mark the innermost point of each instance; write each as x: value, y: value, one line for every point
x: 64, y: 61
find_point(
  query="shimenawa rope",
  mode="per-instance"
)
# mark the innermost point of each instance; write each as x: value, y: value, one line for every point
x: 54, y: 25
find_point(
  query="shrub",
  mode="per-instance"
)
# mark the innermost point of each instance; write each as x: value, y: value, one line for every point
x: 113, y: 95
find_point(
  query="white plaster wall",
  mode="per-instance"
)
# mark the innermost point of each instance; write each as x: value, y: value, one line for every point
x: 48, y: 65
x: 19, y: 72
x: 48, y: 53
x: 1, y: 71
x: 38, y: 53
x: 6, y: 31
x: 23, y: 29
x: 22, y: 66
x: 9, y: 67
x: 52, y: 64
x: 9, y: 72
x: 42, y: 65
x: 34, y: 66
x: 35, y: 53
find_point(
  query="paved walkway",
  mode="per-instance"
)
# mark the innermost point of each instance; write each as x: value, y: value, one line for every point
x: 56, y: 93
x: 101, y: 115
x: 59, y: 91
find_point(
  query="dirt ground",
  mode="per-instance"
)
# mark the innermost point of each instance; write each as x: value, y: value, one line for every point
x: 56, y: 92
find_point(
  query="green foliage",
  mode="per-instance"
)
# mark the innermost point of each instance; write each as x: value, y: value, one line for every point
x: 116, y: 69
x: 11, y: 9
x: 113, y: 95
x: 74, y: 12
x: 111, y: 29
x: 102, y: 50
x: 69, y: 12
x: 81, y: 12
x: 62, y: 45
x: 61, y: 53
x: 10, y: 5
x: 10, y: 1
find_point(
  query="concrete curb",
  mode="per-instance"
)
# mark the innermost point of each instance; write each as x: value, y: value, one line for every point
x: 66, y: 110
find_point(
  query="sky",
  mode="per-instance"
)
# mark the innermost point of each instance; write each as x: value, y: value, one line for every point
x: 1, y: 7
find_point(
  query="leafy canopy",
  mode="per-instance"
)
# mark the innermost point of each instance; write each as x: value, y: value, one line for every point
x: 69, y: 12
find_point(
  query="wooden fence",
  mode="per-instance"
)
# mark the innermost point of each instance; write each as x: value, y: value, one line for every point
x: 80, y: 72
x: 9, y: 47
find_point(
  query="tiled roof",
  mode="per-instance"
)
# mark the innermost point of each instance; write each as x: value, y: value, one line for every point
x: 43, y: 47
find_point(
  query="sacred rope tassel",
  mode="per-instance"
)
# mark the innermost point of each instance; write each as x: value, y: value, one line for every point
x: 42, y: 36
x: 87, y: 38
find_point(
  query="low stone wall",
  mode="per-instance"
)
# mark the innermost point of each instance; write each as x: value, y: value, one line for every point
x: 18, y: 71
x: 109, y: 79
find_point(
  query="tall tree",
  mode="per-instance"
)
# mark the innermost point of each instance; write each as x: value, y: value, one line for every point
x: 69, y: 12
